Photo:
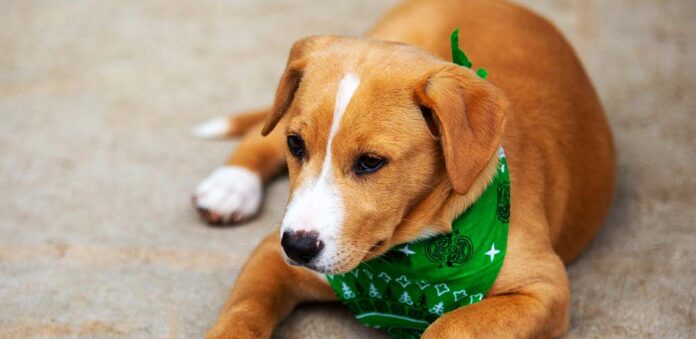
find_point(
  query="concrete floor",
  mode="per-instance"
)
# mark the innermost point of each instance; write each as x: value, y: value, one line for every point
x: 97, y: 237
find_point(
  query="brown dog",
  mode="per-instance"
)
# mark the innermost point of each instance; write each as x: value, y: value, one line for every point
x: 387, y: 142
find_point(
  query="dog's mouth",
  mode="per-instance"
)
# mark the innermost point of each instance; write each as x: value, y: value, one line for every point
x: 345, y: 261
x: 341, y: 265
x: 333, y: 268
x: 378, y: 248
x: 322, y: 269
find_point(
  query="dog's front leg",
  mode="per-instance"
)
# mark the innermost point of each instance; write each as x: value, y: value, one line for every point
x: 528, y: 301
x: 266, y: 291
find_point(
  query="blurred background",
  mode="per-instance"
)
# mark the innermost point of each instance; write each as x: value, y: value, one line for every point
x: 97, y: 235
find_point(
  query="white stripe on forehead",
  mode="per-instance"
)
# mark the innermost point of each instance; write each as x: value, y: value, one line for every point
x: 317, y: 205
x: 346, y: 89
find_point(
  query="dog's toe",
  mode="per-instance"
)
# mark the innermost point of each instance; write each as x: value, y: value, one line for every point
x: 229, y: 195
x: 210, y: 218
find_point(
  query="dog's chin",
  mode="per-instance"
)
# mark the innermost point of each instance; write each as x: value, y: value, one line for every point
x: 328, y: 270
x: 331, y: 269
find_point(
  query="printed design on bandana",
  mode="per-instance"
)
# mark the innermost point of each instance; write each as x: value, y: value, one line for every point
x: 461, y: 250
x: 437, y: 249
x: 410, y: 286
x: 453, y: 250
x: 504, y: 202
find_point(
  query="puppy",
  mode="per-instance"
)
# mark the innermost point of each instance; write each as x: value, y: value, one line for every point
x: 388, y: 144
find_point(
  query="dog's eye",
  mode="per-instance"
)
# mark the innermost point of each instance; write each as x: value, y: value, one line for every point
x: 366, y: 164
x: 296, y: 146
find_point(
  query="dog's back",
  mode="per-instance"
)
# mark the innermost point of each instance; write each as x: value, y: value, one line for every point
x: 565, y: 154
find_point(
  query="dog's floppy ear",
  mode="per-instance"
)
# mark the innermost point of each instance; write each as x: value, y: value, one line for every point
x: 468, y: 114
x: 290, y: 80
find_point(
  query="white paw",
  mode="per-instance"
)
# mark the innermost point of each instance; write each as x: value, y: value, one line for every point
x: 213, y: 129
x: 229, y: 195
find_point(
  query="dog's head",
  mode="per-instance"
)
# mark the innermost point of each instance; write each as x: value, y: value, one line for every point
x: 376, y: 131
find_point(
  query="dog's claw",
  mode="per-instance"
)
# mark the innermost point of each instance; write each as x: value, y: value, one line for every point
x: 210, y: 218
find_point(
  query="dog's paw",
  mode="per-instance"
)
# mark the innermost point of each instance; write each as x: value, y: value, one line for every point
x: 217, y: 128
x: 229, y: 195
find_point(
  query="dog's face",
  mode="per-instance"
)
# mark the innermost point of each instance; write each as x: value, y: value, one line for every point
x: 373, y: 128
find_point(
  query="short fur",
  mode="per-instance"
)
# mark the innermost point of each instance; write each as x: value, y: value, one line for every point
x: 440, y: 126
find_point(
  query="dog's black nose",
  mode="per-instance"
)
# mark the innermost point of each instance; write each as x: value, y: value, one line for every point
x: 301, y: 246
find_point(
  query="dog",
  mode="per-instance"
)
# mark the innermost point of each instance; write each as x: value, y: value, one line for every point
x: 386, y: 143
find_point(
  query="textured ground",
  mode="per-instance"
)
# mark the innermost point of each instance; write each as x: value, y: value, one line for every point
x: 97, y: 238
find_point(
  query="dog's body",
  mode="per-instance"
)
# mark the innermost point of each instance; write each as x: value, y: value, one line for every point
x: 343, y: 99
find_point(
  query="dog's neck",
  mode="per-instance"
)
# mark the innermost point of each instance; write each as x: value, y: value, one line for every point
x: 435, y: 212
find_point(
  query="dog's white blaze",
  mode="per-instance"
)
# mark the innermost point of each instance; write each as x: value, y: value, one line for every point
x: 317, y: 205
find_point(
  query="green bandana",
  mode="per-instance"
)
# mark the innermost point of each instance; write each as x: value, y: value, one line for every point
x: 459, y: 58
x: 406, y: 289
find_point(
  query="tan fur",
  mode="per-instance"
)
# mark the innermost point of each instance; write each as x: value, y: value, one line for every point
x: 241, y: 124
x: 538, y: 103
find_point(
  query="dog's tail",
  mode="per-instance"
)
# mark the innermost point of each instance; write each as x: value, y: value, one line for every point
x: 231, y: 126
